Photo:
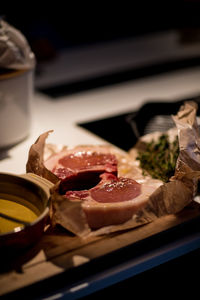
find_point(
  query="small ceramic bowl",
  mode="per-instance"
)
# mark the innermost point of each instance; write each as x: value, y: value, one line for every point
x: 33, y: 192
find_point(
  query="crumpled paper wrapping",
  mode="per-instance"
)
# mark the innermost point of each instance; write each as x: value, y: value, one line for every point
x: 168, y: 198
x: 15, y: 52
x: 189, y: 142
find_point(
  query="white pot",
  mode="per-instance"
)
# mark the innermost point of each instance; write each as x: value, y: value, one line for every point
x: 16, y: 89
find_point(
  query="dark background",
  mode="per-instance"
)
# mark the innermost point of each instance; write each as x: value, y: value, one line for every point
x: 53, y: 27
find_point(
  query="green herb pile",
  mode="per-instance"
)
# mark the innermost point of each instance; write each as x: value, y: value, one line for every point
x: 159, y: 158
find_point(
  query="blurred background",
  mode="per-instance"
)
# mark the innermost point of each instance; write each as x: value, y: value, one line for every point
x: 79, y: 47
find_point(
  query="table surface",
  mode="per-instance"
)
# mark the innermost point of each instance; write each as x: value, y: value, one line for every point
x: 62, y: 115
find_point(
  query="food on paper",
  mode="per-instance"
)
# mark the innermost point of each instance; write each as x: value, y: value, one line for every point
x: 101, y: 189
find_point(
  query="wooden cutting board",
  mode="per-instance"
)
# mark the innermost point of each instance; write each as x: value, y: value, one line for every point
x: 58, y: 251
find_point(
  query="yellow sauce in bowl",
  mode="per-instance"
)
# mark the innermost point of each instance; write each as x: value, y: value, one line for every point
x: 18, y: 208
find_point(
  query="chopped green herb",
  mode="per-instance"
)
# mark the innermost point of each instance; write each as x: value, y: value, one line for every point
x: 159, y: 158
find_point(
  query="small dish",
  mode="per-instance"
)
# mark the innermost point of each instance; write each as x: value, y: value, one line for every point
x: 24, y: 197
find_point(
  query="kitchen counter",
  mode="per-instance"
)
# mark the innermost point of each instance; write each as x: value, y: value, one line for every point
x: 63, y: 114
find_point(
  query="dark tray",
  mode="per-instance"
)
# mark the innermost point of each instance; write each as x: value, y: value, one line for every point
x: 123, y: 130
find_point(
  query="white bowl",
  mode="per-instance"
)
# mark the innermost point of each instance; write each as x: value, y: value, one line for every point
x: 16, y: 89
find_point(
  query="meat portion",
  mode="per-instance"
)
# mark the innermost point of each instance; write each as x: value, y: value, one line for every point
x: 87, y: 160
x: 113, y: 201
x: 110, y: 189
x: 89, y: 193
x: 113, y: 189
x: 89, y: 175
x: 81, y: 167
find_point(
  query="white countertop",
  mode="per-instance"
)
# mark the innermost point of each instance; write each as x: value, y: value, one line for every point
x: 62, y: 114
